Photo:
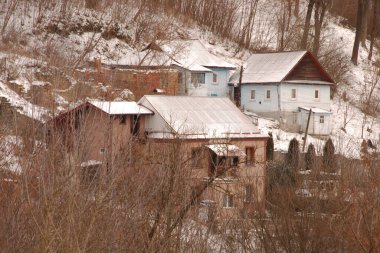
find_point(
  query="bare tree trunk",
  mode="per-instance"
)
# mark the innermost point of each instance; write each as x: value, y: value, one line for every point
x: 319, y: 15
x: 307, y: 24
x: 373, y: 30
x: 296, y: 8
x: 359, y: 22
x: 366, y: 9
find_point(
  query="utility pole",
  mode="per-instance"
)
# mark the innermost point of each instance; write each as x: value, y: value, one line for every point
x: 237, y: 93
x: 307, y: 130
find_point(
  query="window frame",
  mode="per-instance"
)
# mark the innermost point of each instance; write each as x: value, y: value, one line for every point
x: 228, y: 200
x: 268, y: 92
x: 215, y: 78
x: 250, y: 161
x: 317, y: 91
x: 196, y: 157
x: 322, y: 119
x: 295, y: 93
x: 196, y: 76
x: 248, y: 198
x: 253, y: 91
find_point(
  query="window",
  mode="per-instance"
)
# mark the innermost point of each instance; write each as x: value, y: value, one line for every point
x: 123, y: 119
x: 321, y: 119
x: 316, y: 94
x: 135, y: 125
x: 268, y: 94
x: 215, y: 77
x: 102, y: 151
x: 250, y: 151
x: 196, y: 155
x: 253, y: 94
x: 228, y: 200
x: 198, y: 78
x: 294, y: 93
x: 248, y: 190
x: 234, y: 161
x: 295, y: 117
x: 213, y: 94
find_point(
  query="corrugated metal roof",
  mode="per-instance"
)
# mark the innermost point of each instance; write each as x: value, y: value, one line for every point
x: 268, y: 67
x: 207, y: 117
x: 120, y: 107
x: 193, y: 55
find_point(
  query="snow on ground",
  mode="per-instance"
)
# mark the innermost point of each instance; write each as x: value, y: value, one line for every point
x: 22, y: 106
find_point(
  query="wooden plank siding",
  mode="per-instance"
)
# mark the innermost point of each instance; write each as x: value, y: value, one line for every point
x: 308, y: 69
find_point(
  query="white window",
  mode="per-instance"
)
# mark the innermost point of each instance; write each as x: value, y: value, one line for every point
x: 253, y: 94
x: 228, y: 200
x: 316, y: 94
x: 321, y: 119
x: 268, y: 94
x: 215, y: 77
x: 294, y: 93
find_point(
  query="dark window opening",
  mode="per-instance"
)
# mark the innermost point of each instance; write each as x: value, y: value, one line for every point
x: 250, y: 152
x: 123, y: 119
x: 135, y: 125
x: 196, y: 156
x: 248, y: 190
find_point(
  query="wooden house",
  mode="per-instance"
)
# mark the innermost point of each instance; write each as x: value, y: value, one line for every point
x: 287, y: 86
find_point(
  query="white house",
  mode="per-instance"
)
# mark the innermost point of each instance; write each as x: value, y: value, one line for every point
x: 285, y: 86
x: 202, y: 73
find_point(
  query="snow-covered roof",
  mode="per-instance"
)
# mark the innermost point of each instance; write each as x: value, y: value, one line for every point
x: 120, y: 107
x: 200, y: 117
x: 315, y: 110
x: 268, y: 67
x: 226, y: 150
x: 193, y: 55
x: 147, y: 58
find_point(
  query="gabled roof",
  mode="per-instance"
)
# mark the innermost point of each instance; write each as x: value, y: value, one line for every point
x: 193, y: 55
x: 274, y: 67
x: 200, y: 117
x: 120, y: 107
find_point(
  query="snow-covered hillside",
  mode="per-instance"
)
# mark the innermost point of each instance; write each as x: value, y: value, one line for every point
x: 36, y: 46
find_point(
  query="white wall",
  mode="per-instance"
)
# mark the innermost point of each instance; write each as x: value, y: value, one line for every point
x: 315, y: 127
x: 260, y: 103
x: 305, y: 97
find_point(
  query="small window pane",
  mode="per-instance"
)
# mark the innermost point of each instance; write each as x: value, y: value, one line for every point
x: 321, y: 119
x: 316, y: 94
x: 228, y: 200
x: 253, y: 94
x: 294, y: 93
x: 214, y: 77
x: 268, y: 94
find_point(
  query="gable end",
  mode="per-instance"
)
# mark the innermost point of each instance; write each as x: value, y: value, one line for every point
x: 308, y: 68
